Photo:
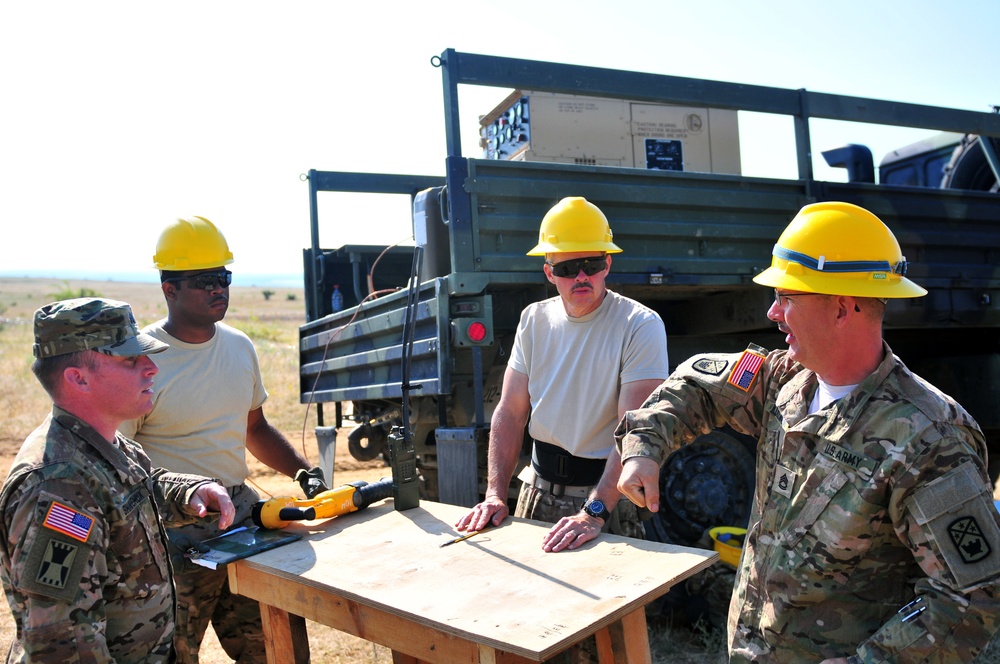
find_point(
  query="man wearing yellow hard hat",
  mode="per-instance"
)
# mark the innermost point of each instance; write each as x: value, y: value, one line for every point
x: 207, y: 414
x: 873, y: 536
x: 579, y: 361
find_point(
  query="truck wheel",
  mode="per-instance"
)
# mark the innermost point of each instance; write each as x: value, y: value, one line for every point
x: 969, y: 169
x: 366, y: 442
x: 707, y: 483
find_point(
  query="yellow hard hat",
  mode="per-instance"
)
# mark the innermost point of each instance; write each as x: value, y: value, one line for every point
x: 574, y: 224
x: 191, y: 244
x: 839, y: 249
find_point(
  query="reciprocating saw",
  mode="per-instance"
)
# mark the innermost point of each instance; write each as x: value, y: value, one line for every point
x: 281, y: 511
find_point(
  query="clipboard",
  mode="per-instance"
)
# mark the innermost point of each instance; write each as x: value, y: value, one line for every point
x: 238, y: 544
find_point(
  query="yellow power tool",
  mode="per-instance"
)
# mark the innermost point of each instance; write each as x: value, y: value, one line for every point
x: 283, y: 510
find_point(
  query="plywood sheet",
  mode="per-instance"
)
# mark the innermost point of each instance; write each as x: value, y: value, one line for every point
x: 497, y: 588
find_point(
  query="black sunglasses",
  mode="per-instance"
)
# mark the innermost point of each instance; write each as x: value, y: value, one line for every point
x: 568, y: 269
x: 206, y: 280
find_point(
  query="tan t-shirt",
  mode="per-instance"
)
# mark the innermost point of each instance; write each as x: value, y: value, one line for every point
x: 202, y: 395
x: 576, y: 367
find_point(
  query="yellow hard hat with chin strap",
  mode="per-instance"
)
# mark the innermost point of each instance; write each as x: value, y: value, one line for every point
x: 191, y: 244
x: 839, y: 249
x: 574, y: 224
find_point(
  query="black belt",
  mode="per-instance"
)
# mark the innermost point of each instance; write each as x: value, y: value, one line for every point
x: 528, y: 476
x: 554, y: 464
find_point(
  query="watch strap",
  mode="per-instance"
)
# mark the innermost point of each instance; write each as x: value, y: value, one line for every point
x: 590, y: 508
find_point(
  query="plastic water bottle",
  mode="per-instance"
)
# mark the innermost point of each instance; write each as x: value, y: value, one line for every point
x: 337, y: 299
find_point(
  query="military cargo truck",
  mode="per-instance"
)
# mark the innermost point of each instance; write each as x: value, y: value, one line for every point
x: 426, y: 330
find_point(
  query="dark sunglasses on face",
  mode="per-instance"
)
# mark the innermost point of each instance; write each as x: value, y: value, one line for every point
x: 568, y: 269
x: 206, y: 280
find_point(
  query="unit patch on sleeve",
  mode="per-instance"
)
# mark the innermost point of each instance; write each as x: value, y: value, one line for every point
x: 968, y: 539
x: 53, y: 566
x: 56, y: 564
x: 958, y: 514
x: 68, y: 522
x: 746, y: 370
x: 710, y: 366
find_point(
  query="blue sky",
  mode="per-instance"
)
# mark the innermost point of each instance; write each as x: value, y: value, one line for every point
x: 119, y: 116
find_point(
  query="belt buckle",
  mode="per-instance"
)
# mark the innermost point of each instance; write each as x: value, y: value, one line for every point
x: 557, y: 490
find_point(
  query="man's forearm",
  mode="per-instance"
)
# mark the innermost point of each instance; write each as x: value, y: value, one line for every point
x: 275, y: 451
x: 607, y: 487
x: 504, y: 450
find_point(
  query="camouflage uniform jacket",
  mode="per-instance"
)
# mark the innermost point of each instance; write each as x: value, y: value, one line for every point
x: 873, y: 533
x: 85, y: 565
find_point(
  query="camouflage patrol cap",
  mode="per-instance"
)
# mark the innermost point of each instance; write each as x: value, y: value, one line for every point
x: 90, y: 323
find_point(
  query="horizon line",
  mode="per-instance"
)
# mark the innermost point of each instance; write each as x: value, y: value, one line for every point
x: 249, y: 279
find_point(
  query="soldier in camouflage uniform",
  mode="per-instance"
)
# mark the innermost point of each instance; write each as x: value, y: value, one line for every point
x: 579, y: 361
x: 873, y: 536
x: 84, y: 555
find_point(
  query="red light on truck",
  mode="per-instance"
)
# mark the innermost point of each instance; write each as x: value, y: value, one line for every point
x: 476, y: 332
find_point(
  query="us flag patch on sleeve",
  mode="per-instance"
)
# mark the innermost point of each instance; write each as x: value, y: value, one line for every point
x: 68, y: 522
x: 746, y: 369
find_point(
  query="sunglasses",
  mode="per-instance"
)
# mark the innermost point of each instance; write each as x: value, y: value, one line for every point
x: 206, y: 280
x: 568, y: 269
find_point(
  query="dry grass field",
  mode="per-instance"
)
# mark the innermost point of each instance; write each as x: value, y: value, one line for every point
x: 272, y: 323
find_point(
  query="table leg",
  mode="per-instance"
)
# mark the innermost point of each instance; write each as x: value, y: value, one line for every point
x: 605, y: 646
x: 625, y: 641
x: 285, y: 637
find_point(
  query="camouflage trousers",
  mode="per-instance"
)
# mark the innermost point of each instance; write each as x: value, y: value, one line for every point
x: 203, y: 595
x: 534, y: 503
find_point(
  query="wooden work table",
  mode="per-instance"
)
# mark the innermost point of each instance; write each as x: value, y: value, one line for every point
x: 381, y: 574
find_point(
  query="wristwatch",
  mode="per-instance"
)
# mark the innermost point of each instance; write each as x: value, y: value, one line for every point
x: 595, y: 507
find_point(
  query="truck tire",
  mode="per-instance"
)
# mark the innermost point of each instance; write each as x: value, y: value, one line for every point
x: 366, y: 442
x: 707, y: 483
x: 968, y: 167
